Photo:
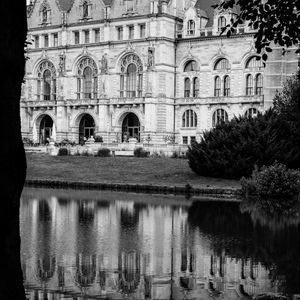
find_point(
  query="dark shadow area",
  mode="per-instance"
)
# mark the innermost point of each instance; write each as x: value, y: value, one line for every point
x: 243, y: 231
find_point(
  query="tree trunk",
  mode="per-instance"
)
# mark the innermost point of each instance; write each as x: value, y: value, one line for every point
x: 12, y: 157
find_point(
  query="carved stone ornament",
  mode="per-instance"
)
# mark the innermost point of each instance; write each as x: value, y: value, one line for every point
x: 46, y: 65
x: 62, y: 64
x: 87, y: 62
x: 104, y: 64
x: 150, y: 63
x: 129, y: 59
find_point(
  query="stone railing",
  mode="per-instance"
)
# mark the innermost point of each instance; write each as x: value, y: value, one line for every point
x: 220, y: 100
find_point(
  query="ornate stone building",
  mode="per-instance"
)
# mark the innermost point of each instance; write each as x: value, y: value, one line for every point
x: 156, y: 70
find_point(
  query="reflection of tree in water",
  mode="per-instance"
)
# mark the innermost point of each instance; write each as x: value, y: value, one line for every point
x: 85, y: 270
x: 239, y: 234
x: 45, y: 262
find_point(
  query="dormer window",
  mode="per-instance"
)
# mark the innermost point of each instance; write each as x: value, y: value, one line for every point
x: 221, y: 23
x: 45, y: 13
x: 191, y: 27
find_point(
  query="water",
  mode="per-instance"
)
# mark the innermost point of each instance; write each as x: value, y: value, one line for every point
x: 108, y: 245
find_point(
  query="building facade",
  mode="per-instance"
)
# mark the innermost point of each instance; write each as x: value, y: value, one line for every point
x: 155, y: 70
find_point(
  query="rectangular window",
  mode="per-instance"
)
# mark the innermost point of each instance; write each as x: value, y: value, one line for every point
x: 130, y: 32
x: 142, y: 31
x: 192, y: 139
x: 76, y: 37
x: 46, y: 40
x: 185, y: 140
x: 86, y: 36
x: 97, y: 35
x: 36, y: 41
x: 55, y: 39
x: 120, y: 33
x: 122, y: 86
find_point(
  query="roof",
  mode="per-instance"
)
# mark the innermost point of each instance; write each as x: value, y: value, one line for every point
x: 65, y: 5
x: 205, y: 5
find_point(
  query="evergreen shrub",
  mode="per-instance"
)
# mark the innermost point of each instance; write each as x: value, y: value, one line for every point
x: 275, y: 181
x: 140, y: 152
x: 232, y: 149
x: 98, y: 139
x: 103, y: 152
x: 63, y: 152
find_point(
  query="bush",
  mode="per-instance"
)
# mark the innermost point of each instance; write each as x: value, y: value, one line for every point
x: 275, y: 181
x: 98, y: 139
x: 140, y: 152
x: 178, y: 154
x: 103, y: 152
x: 63, y: 152
x: 232, y: 149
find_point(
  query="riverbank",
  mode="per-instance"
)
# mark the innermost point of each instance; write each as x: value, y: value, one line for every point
x: 153, y: 175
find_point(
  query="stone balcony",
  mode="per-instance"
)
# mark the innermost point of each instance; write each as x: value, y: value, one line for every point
x: 220, y: 100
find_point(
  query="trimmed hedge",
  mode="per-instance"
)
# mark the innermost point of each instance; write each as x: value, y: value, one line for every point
x: 63, y: 152
x: 103, y: 152
x: 140, y: 152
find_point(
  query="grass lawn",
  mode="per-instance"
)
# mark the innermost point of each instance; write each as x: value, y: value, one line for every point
x: 155, y: 171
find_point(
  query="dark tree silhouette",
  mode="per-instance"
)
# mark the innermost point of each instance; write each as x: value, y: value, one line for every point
x: 12, y: 157
x: 275, y: 21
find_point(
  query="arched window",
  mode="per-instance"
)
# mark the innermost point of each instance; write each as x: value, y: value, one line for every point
x: 85, y: 9
x: 220, y: 116
x: 221, y: 23
x: 251, y: 113
x: 222, y: 64
x: 87, y: 82
x: 190, y: 27
x: 249, y: 85
x: 226, y: 86
x: 131, y: 78
x: 254, y: 62
x: 46, y: 83
x: 259, y: 84
x: 196, y: 85
x: 190, y: 66
x: 217, y: 91
x: 87, y: 79
x: 187, y: 87
x: 189, y: 118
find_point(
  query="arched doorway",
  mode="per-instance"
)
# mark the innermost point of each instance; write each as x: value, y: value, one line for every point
x: 130, y: 127
x: 46, y: 126
x: 86, y: 127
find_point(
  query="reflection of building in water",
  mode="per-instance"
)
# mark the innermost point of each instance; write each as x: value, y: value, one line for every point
x: 122, y: 249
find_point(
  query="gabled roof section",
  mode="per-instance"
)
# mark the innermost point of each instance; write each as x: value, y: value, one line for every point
x: 206, y: 6
x: 107, y: 2
x: 64, y: 5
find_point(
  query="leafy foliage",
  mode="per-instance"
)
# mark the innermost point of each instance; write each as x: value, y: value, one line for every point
x: 103, y: 152
x: 275, y: 181
x: 140, y: 152
x: 98, y: 139
x: 275, y: 21
x: 63, y: 152
x: 231, y: 150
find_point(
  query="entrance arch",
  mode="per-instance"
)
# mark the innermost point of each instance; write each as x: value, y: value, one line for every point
x: 131, y: 127
x: 46, y: 126
x: 86, y: 127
